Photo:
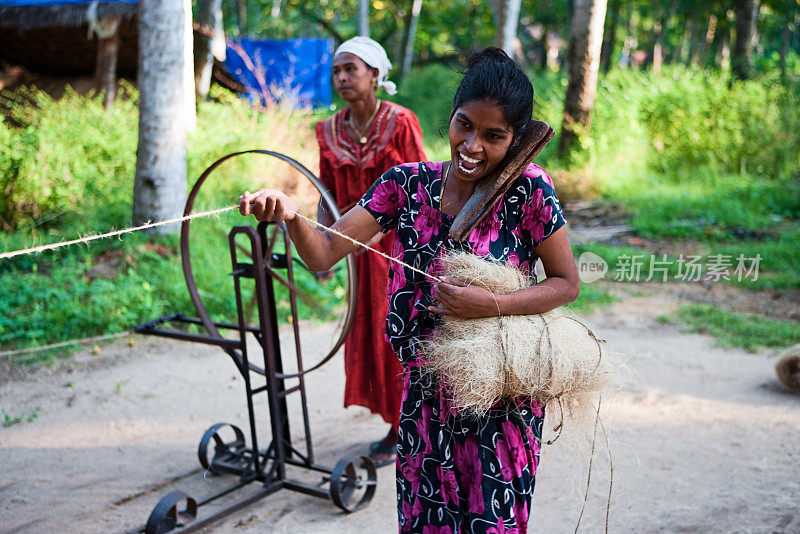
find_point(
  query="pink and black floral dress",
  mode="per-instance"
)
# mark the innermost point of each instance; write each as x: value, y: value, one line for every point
x: 457, y: 472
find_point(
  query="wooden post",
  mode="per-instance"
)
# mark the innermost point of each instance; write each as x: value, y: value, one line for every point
x: 105, y: 72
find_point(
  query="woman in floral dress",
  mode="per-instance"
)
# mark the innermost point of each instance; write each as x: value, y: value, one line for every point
x: 456, y: 472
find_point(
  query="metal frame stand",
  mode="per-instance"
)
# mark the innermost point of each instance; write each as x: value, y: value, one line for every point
x: 350, y: 484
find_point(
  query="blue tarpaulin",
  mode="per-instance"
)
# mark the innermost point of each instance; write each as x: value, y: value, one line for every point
x: 295, y: 70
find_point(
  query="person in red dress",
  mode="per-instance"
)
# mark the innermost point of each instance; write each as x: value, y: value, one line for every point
x: 356, y: 146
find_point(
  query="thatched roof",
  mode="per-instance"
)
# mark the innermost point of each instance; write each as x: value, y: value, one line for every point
x: 52, y: 36
x: 38, y: 14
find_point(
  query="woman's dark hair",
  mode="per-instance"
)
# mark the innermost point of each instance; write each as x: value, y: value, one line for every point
x: 492, y: 75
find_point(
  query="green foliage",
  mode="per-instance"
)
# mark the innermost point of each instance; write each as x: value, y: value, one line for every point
x: 429, y: 94
x: 111, y: 285
x: 748, y: 331
x: 722, y: 207
x: 703, y: 120
x: 9, y: 420
x: 592, y: 298
x: 64, y: 152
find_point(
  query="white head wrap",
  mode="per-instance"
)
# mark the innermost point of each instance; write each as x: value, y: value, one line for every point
x: 373, y: 55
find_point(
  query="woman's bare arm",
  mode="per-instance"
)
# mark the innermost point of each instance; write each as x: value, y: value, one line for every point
x: 561, y: 287
x: 319, y: 249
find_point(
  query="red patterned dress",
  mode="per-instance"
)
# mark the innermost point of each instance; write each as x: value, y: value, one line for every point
x: 348, y: 169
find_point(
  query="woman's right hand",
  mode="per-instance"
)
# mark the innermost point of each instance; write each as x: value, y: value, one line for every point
x: 268, y: 205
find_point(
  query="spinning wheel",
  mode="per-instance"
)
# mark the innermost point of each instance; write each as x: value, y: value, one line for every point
x: 269, y: 283
x: 301, y: 290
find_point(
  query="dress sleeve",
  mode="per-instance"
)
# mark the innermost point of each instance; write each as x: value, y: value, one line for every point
x: 388, y: 196
x: 542, y: 214
x: 409, y: 138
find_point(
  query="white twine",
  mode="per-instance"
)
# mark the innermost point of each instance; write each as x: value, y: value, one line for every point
x: 64, y: 344
x: 87, y: 239
x: 360, y: 244
x: 52, y: 246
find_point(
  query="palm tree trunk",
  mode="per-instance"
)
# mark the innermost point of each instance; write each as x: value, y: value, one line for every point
x: 411, y: 35
x: 741, y: 60
x: 159, y: 190
x: 190, y: 119
x: 507, y: 19
x: 363, y: 18
x: 583, y: 58
x: 610, y: 36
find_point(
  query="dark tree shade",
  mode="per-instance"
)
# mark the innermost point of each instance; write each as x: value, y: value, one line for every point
x: 741, y: 60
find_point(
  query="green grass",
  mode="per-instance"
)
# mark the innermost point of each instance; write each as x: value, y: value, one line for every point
x: 732, y: 329
x: 59, y: 295
x: 11, y: 420
x: 718, y: 207
x: 591, y: 298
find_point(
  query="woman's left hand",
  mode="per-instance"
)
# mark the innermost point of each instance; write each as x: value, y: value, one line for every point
x: 464, y: 301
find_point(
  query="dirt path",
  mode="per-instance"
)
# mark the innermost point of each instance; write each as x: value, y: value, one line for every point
x: 702, y: 440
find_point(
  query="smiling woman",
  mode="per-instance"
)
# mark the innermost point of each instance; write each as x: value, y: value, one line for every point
x: 456, y: 472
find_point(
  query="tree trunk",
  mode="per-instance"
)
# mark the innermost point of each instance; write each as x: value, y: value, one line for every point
x: 410, y: 37
x: 658, y: 36
x: 363, y: 18
x: 741, y: 61
x: 723, y: 54
x: 159, y: 190
x: 785, y: 34
x: 610, y: 36
x: 507, y: 19
x: 677, y: 55
x: 209, y: 44
x: 695, y: 43
x: 105, y: 71
x: 241, y: 17
x: 711, y: 32
x: 188, y: 68
x: 545, y: 50
x: 584, y: 60
x: 629, y: 43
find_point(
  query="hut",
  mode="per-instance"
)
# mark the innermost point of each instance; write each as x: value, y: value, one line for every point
x: 90, y: 43
x: 71, y: 39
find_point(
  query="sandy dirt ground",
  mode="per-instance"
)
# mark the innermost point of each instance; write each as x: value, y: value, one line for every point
x: 702, y: 439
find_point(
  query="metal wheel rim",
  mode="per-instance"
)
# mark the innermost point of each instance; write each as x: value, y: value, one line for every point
x: 186, y: 263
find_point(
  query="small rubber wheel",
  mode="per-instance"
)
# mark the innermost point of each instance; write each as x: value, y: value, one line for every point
x: 166, y: 516
x: 353, y: 482
x: 228, y: 452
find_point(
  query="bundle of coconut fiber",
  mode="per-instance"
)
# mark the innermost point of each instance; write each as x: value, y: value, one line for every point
x: 788, y: 369
x: 551, y: 357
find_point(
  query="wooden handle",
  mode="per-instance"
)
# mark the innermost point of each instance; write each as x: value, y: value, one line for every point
x: 494, y: 185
